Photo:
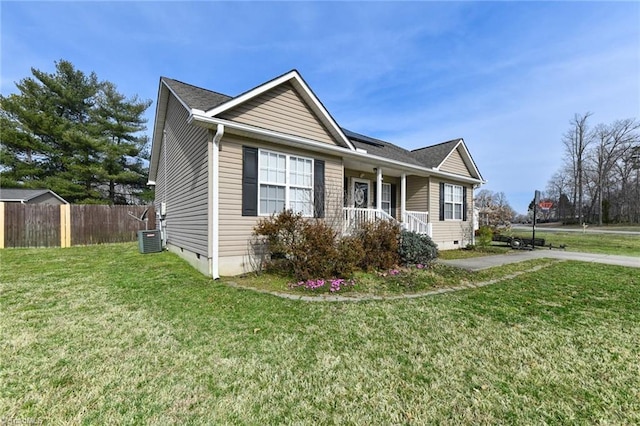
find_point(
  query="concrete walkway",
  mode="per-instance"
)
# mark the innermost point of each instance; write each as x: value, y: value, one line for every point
x: 484, y: 262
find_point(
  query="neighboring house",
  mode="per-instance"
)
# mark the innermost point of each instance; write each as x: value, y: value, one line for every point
x: 221, y: 163
x: 30, y: 196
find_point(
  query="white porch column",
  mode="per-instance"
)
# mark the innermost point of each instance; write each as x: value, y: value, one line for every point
x: 379, y: 188
x: 403, y: 197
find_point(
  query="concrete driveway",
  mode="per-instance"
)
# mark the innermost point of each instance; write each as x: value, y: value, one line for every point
x: 484, y: 262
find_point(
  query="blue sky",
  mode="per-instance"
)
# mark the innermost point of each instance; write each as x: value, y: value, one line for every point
x: 505, y: 76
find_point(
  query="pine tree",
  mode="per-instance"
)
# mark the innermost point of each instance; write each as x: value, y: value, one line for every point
x: 120, y: 121
x: 69, y: 132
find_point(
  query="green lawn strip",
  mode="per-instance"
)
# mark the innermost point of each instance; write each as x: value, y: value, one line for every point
x: 617, y: 244
x: 105, y: 335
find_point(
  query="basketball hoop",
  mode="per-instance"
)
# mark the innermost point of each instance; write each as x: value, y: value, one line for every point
x: 545, y: 205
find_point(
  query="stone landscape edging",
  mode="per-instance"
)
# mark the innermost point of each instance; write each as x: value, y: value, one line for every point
x: 371, y: 297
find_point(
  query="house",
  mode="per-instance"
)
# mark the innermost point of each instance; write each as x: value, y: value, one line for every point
x: 30, y: 196
x: 220, y: 163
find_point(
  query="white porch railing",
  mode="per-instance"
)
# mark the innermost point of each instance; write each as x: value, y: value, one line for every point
x: 354, y: 217
x: 417, y: 222
x: 412, y: 221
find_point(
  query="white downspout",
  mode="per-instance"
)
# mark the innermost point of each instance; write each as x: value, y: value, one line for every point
x: 379, y: 188
x: 473, y: 214
x: 214, y: 218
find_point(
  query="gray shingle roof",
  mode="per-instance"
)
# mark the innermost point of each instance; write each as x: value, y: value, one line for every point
x: 431, y: 156
x: 434, y: 155
x: 380, y: 148
x: 196, y: 97
x: 21, y: 194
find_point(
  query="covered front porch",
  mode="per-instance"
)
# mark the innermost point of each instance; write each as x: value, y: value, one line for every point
x: 372, y: 194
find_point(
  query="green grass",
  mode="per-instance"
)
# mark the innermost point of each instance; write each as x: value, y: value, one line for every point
x: 593, y: 227
x: 104, y: 335
x: 617, y: 244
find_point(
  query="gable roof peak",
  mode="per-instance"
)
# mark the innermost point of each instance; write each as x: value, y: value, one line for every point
x: 451, y: 141
x: 299, y: 85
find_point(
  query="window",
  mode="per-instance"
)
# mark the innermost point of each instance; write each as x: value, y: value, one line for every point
x: 453, y: 201
x: 386, y: 198
x: 286, y: 181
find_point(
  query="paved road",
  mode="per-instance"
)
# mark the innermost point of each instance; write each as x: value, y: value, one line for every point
x: 588, y: 230
x: 484, y: 262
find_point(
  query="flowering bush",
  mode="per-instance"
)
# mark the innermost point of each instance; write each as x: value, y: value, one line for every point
x: 335, y: 284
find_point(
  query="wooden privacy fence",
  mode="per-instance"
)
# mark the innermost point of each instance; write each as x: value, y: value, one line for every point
x: 39, y: 225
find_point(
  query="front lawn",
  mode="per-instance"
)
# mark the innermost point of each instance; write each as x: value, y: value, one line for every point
x: 105, y: 335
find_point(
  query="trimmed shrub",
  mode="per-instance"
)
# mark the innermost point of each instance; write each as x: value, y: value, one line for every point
x: 307, y: 249
x: 350, y: 255
x: 380, y: 243
x: 281, y: 233
x: 317, y: 253
x: 484, y: 235
x: 417, y: 249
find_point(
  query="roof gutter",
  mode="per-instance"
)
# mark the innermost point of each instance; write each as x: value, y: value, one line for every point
x: 211, y: 122
x: 214, y: 205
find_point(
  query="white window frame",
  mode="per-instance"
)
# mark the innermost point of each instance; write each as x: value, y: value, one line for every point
x: 451, y: 199
x: 287, y: 185
x: 384, y: 202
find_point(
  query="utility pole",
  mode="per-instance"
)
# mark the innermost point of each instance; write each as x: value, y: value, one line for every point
x: 536, y: 200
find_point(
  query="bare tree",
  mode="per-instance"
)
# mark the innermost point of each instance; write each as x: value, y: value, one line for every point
x: 600, y: 172
x: 558, y: 188
x: 612, y: 141
x: 576, y: 141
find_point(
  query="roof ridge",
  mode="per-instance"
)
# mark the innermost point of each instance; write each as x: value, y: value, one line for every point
x: 267, y: 82
x: 196, y: 87
x: 440, y: 143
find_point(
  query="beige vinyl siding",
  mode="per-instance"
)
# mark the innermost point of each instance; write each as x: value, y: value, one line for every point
x: 447, y: 231
x: 281, y: 109
x: 182, y: 181
x: 455, y: 164
x: 418, y: 195
x: 235, y: 229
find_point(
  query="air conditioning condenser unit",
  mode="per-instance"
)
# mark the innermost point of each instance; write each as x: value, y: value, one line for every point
x: 149, y: 241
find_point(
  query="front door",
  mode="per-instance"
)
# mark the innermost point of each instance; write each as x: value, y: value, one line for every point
x: 361, y: 191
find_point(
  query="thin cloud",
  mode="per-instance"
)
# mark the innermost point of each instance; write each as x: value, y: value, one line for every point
x: 506, y: 76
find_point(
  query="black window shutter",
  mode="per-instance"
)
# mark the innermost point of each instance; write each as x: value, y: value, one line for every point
x: 249, y: 181
x: 441, y: 200
x: 464, y: 203
x: 318, y: 196
x: 393, y: 200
